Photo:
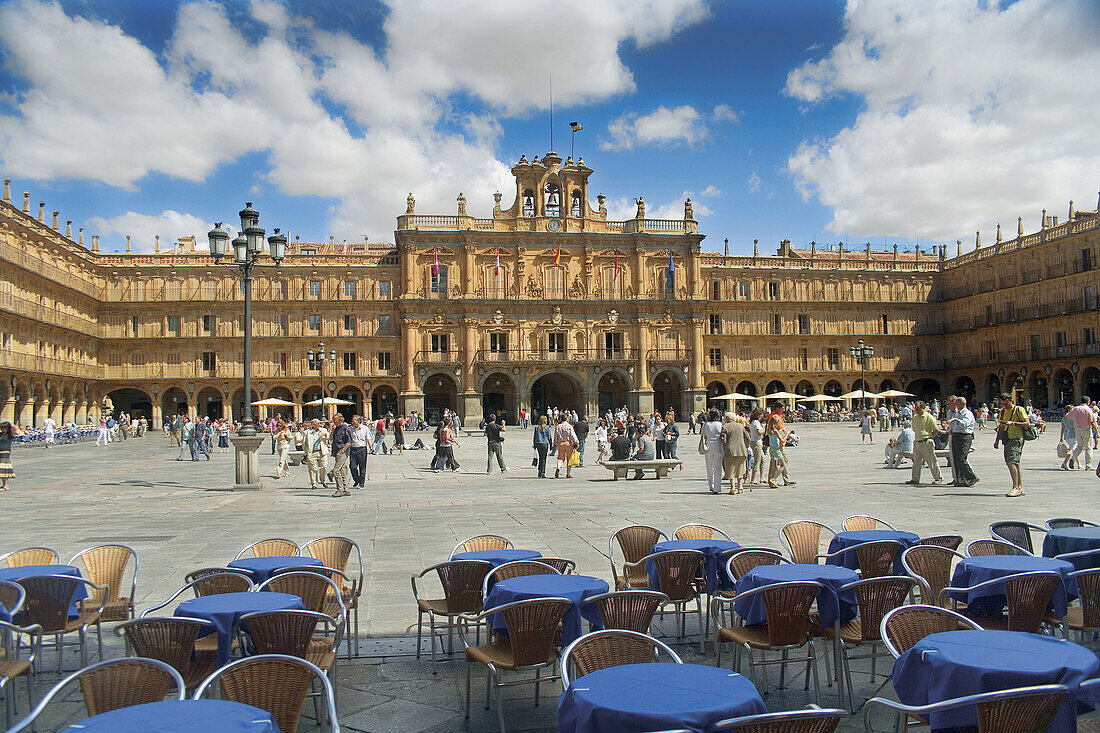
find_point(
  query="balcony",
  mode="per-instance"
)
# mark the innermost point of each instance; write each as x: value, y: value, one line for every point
x: 49, y: 366
x: 669, y: 356
x: 577, y: 356
x: 44, y: 314
x: 449, y: 358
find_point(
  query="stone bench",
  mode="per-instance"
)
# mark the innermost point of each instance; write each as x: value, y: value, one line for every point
x: 295, y: 457
x: 940, y: 453
x: 473, y: 432
x: 660, y: 466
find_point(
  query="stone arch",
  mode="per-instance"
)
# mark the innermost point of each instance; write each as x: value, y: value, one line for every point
x: 440, y: 393
x: 383, y: 399
x: 352, y: 394
x: 1063, y: 386
x: 559, y: 388
x: 746, y: 387
x: 833, y: 388
x: 669, y: 387
x: 886, y: 384
x: 1090, y: 383
x: 1037, y: 389
x: 209, y: 402
x: 498, y: 396
x: 134, y: 402
x: 965, y: 387
x: 804, y: 388
x: 236, y: 404
x: 925, y: 389
x: 774, y: 386
x: 992, y: 388
x: 174, y: 401
x: 612, y: 390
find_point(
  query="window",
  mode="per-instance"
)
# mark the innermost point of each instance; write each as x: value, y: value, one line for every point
x: 383, y: 326
x: 804, y: 359
x: 208, y: 324
x: 773, y: 291
x: 885, y: 324
x: 1088, y: 337
x: 1086, y: 260
x: 613, y: 282
x: 174, y: 325
x: 309, y: 250
x: 1089, y: 297
x: 613, y: 345
x: 284, y: 360
x: 439, y: 279
x: 1036, y: 345
x: 383, y: 361
x: 349, y: 289
x: 134, y: 325
x: 715, y: 323
x: 496, y: 279
x: 832, y: 358
x: 990, y: 350
x: 803, y: 323
x: 172, y: 358
x: 114, y: 360
x: 441, y: 343
x: 1060, y: 340
x: 989, y: 315
x: 498, y: 343
x: 315, y: 323
x: 315, y: 288
x: 554, y: 279
x: 349, y: 361
x: 715, y: 358
x: 284, y: 289
x: 777, y: 323
x: 716, y: 290
x: 384, y: 289
x: 209, y: 361
x: 555, y: 343
x: 284, y: 325
x: 137, y: 359
x: 744, y: 290
x: 349, y: 323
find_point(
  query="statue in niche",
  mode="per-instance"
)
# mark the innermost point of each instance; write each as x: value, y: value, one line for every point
x: 629, y: 291
x: 533, y: 288
x: 456, y: 291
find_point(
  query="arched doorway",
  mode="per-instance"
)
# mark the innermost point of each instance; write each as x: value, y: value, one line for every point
x: 1090, y: 382
x: 1014, y: 383
x: 383, y: 400
x: 498, y: 397
x: 174, y: 402
x: 924, y: 389
x: 965, y: 387
x: 1063, y: 386
x: 833, y: 388
x: 284, y: 412
x: 713, y: 390
x: 774, y: 386
x: 858, y: 384
x: 133, y: 402
x: 309, y: 411
x: 352, y: 395
x: 209, y: 403
x: 557, y: 389
x: 1037, y: 389
x: 440, y: 393
x: 668, y: 393
x: 992, y: 389
x: 804, y: 388
x: 611, y: 392
x: 886, y: 385
x: 237, y: 403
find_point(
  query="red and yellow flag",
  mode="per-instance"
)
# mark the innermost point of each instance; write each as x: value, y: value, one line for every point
x: 557, y: 257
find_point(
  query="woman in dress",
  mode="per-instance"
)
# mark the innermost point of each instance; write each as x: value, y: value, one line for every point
x: 756, y: 442
x: 566, y: 439
x: 7, y: 432
x: 776, y: 439
x: 601, y: 439
x: 736, y: 441
x: 865, y: 424
x: 447, y: 444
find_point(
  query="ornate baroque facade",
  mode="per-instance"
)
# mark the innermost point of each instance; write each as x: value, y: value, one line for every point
x: 546, y: 303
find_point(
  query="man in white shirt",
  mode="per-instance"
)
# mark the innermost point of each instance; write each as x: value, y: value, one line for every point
x: 49, y: 426
x: 360, y: 438
x: 315, y: 445
x: 960, y: 424
x: 883, y: 418
x: 904, y: 444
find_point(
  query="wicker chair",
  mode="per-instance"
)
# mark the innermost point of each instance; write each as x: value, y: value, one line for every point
x: 1066, y: 523
x: 1022, y: 710
x: 903, y: 627
x: 277, y: 683
x: 699, y: 532
x: 876, y: 559
x: 635, y: 542
x: 812, y: 720
x: 857, y: 522
x: 561, y: 564
x: 107, y: 565
x: 12, y: 668
x: 462, y: 582
x: 1018, y: 533
x: 208, y: 585
x: 205, y: 572
x: 333, y: 604
x: 335, y: 553
x: 114, y: 684
x: 787, y: 626
x: 985, y: 548
x: 317, y: 592
x: 274, y: 547
x: 1028, y: 595
x: 610, y: 648
x: 516, y: 569
x: 1085, y: 617
x: 876, y: 597
x: 530, y: 644
x: 49, y: 598
x: 948, y: 541
x: 481, y: 543
x: 739, y: 562
x: 629, y: 610
x: 172, y: 640
x: 675, y: 570
x: 802, y: 539
x: 12, y: 596
x: 30, y: 556
x: 930, y: 566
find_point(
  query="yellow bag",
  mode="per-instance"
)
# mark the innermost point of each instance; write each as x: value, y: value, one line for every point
x: 574, y: 458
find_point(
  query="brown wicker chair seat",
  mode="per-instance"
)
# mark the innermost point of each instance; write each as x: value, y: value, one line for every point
x: 500, y: 654
x: 14, y: 668
x: 755, y: 636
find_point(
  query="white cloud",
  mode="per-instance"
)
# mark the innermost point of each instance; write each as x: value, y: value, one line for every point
x: 101, y: 106
x: 622, y: 208
x: 725, y: 113
x: 143, y: 229
x: 973, y: 113
x: 711, y: 191
x: 664, y: 127
x: 755, y: 183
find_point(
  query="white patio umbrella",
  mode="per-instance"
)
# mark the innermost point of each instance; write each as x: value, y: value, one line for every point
x: 734, y: 396
x: 859, y: 394
x: 896, y: 393
x: 819, y: 398
x: 272, y: 402
x: 330, y: 401
x: 780, y: 396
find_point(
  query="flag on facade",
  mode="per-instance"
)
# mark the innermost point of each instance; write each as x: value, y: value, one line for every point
x: 435, y: 265
x: 557, y: 257
x: 616, y: 271
x: 670, y: 280
x: 575, y: 126
x: 498, y: 261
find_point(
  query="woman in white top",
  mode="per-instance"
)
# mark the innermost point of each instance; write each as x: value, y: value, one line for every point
x: 659, y: 435
x: 709, y: 437
x: 601, y: 439
x: 756, y: 443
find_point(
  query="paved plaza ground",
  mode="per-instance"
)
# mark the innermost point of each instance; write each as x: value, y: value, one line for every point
x: 408, y: 518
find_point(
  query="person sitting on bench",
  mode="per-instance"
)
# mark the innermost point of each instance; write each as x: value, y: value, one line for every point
x: 904, y: 444
x: 647, y: 449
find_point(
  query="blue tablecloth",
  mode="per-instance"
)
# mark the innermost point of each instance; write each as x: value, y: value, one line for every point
x: 959, y: 663
x: 713, y: 567
x: 262, y: 568
x: 633, y: 698
x: 176, y: 716
x: 225, y: 609
x: 498, y: 557
x: 1074, y: 539
x: 831, y: 602
x: 27, y: 571
x: 574, y: 587
x: 844, y: 540
x: 991, y: 601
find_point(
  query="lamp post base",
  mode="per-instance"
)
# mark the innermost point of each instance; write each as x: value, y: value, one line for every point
x: 247, y: 460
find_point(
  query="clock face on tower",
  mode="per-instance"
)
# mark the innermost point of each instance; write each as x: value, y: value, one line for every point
x: 553, y: 225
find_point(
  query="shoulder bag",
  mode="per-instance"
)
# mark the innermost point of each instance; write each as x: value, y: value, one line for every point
x: 702, y: 444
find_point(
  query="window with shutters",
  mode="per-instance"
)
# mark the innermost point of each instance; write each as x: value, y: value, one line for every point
x: 803, y: 323
x: 209, y: 361
x: 553, y: 279
x: 349, y: 362
x: 612, y: 282
x: 383, y: 361
x: 315, y: 323
x: 715, y: 322
x: 714, y: 357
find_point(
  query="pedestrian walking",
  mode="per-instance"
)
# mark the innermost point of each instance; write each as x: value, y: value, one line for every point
x: 447, y: 445
x: 1084, y: 427
x: 187, y: 427
x: 380, y: 436
x: 580, y: 427
x: 756, y: 445
x: 924, y: 451
x: 283, y: 442
x: 865, y: 427
x: 48, y: 426
x: 735, y: 440
x: 601, y: 439
x: 1010, y: 432
x: 315, y: 444
x: 223, y: 435
x: 7, y: 432
x: 565, y: 438
x: 202, y: 439
x: 494, y: 440
x: 710, y: 444
x: 341, y: 445
x: 774, y: 439
x: 359, y: 436
x: 672, y: 435
x: 960, y: 426
x: 541, y: 442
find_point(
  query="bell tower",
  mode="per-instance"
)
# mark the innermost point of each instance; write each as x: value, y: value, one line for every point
x: 550, y: 195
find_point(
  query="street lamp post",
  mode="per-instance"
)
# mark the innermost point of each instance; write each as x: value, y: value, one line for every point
x: 247, y: 248
x: 318, y: 357
x: 861, y: 353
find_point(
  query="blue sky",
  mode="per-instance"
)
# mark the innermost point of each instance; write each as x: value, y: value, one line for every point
x: 906, y: 122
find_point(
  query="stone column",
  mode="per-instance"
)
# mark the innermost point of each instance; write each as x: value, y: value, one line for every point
x: 56, y: 411
x: 35, y: 412
x: 82, y: 412
x: 227, y: 409
x: 157, y: 419
x: 8, y: 411
x: 68, y: 411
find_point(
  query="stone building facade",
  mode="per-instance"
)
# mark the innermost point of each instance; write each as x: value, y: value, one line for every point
x: 547, y: 303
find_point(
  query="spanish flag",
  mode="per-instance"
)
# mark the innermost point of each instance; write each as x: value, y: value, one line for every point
x: 575, y: 126
x: 557, y: 257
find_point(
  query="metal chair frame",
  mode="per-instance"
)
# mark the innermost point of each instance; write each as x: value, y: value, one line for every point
x: 1093, y: 602
x: 787, y: 545
x: 777, y: 721
x: 679, y: 605
x: 9, y: 638
x: 567, y: 655
x: 985, y: 698
x: 337, y: 623
x: 946, y: 541
x: 491, y: 575
x: 730, y: 571
x: 621, y: 582
x: 334, y: 593
x: 14, y: 590
x: 450, y: 618
x: 82, y: 631
x: 657, y: 597
x: 1067, y: 522
x: 928, y: 593
x: 198, y: 623
x: 884, y: 626
x: 190, y: 586
x: 714, y: 531
x: 461, y: 546
x: 858, y: 517
x: 252, y: 548
x: 122, y: 576
x: 1023, y: 526
x: 1002, y: 581
x: 563, y: 565
x: 999, y: 547
x: 167, y: 669
x: 357, y: 585
x: 900, y: 546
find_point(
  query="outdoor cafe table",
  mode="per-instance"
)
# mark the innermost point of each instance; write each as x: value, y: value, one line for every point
x: 498, y: 557
x: 1074, y: 539
x: 224, y: 610
x: 991, y: 600
x: 844, y: 540
x: 29, y: 571
x: 633, y: 698
x: 960, y: 663
x: 574, y: 587
x: 713, y: 568
x: 262, y: 568
x: 831, y: 601
x: 180, y: 716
